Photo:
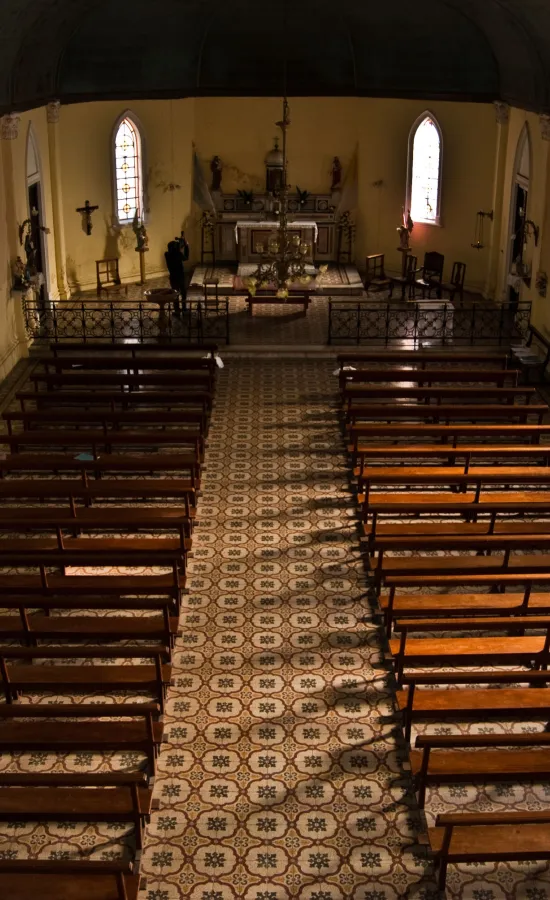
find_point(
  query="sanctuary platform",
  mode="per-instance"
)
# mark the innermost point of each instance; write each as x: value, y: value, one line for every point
x: 339, y: 280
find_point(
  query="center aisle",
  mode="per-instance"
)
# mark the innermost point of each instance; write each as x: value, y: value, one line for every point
x: 279, y: 778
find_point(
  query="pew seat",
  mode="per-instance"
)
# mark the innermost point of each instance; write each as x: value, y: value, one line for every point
x: 131, y: 728
x: 21, y: 879
x: 488, y: 759
x: 112, y: 797
x: 489, y: 837
x: 482, y: 695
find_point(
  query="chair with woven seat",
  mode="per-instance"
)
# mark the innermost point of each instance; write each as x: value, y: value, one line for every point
x: 375, y: 275
x: 108, y: 277
x: 431, y: 275
x: 456, y: 284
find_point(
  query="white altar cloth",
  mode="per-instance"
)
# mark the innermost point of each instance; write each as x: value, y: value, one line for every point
x: 270, y: 226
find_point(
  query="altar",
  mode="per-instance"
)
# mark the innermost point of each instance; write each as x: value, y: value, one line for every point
x: 250, y: 236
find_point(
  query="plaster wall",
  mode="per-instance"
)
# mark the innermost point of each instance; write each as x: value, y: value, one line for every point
x: 538, y: 257
x: 86, y: 169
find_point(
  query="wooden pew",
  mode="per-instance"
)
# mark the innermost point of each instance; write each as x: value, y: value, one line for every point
x: 483, y: 695
x: 173, y: 380
x: 514, y: 549
x: 104, y: 440
x: 448, y: 412
x: 53, y: 584
x: 134, y: 363
x: 504, y: 432
x: 441, y: 393
x: 100, y: 490
x: 188, y: 399
x: 456, y: 516
x: 440, y: 760
x: 142, y: 734
x: 106, y: 418
x: 423, y: 358
x: 451, y: 456
x: 419, y: 605
x: 145, y: 463
x: 68, y: 879
x: 426, y: 478
x: 109, y: 797
x: 28, y: 676
x: 489, y: 837
x: 179, y: 347
x: 31, y: 621
x: 131, y: 520
x: 363, y: 379
x: 468, y: 651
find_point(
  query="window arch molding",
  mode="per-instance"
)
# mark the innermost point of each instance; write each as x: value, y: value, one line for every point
x: 128, y: 125
x: 425, y: 169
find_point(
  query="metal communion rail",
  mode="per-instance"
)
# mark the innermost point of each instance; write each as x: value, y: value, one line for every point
x: 366, y: 322
x: 119, y: 321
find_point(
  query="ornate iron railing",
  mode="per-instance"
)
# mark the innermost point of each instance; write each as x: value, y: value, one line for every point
x: 118, y: 321
x: 365, y: 322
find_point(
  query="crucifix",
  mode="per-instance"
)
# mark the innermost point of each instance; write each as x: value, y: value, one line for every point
x: 86, y: 212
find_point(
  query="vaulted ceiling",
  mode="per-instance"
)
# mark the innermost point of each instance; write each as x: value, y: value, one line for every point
x: 96, y: 49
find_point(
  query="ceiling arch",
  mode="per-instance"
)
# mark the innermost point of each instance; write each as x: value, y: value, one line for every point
x: 95, y: 49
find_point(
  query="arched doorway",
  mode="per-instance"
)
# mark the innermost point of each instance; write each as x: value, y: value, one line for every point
x: 36, y: 216
x: 520, y: 196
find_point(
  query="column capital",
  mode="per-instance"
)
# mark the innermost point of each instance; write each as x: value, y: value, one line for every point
x: 545, y: 127
x: 502, y: 112
x: 52, y: 111
x: 9, y: 126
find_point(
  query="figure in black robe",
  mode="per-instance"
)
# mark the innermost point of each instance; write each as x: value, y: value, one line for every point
x: 175, y: 256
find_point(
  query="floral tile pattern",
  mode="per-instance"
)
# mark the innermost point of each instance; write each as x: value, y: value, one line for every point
x: 282, y: 774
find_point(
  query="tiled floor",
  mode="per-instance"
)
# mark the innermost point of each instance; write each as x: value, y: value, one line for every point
x: 281, y: 776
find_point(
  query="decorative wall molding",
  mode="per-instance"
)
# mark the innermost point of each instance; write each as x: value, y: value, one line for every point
x: 545, y: 127
x: 52, y: 112
x: 9, y: 126
x: 502, y: 112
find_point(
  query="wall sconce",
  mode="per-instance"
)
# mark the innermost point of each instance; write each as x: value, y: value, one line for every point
x: 478, y: 235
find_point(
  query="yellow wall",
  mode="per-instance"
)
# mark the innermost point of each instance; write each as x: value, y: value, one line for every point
x: 15, y: 209
x: 86, y: 150
x: 537, y: 210
x: 469, y: 139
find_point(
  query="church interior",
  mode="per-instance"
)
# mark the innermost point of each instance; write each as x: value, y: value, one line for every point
x: 274, y: 450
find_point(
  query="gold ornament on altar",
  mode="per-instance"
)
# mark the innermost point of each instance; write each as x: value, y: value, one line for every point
x: 284, y: 262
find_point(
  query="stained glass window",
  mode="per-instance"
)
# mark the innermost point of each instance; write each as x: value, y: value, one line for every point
x: 425, y: 172
x: 128, y: 176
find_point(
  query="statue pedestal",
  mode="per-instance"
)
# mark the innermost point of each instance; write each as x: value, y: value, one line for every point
x: 142, y: 253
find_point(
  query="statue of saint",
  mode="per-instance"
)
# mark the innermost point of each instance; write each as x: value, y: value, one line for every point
x: 142, y: 239
x: 216, y: 169
x: 336, y: 174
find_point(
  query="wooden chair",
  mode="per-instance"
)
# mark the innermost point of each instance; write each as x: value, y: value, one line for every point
x: 432, y: 275
x: 406, y: 280
x: 456, y: 284
x: 375, y: 276
x: 108, y: 277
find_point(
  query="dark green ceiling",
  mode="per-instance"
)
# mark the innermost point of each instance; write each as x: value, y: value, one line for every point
x: 94, y: 49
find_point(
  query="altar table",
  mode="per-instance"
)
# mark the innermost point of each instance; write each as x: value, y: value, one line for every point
x: 249, y: 235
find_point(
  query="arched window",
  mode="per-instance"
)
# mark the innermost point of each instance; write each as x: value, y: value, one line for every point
x: 424, y: 176
x: 128, y: 170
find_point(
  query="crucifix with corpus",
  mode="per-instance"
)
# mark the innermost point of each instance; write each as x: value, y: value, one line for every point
x: 86, y: 212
